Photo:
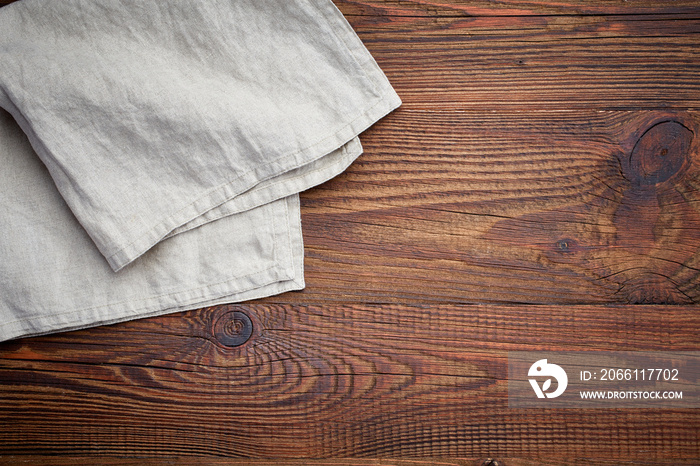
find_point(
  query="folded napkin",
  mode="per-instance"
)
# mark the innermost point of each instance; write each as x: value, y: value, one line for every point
x: 154, y: 151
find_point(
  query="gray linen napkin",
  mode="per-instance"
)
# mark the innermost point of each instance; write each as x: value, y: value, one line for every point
x: 164, y: 147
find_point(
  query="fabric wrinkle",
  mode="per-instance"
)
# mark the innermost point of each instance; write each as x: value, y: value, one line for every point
x: 161, y: 149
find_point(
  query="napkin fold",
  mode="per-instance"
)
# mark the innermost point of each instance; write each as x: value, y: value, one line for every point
x: 153, y: 152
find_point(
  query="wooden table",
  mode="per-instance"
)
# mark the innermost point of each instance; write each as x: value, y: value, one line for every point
x: 537, y: 190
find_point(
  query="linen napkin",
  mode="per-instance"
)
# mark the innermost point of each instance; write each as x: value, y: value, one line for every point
x: 154, y: 151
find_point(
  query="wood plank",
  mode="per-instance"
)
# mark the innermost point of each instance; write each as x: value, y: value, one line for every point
x: 543, y: 207
x: 528, y: 62
x: 513, y: 7
x: 527, y: 165
x: 506, y: 7
x: 334, y: 381
x: 490, y: 63
x: 150, y: 461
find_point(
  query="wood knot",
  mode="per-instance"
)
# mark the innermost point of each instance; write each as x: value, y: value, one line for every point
x: 233, y: 328
x: 566, y: 246
x: 662, y: 152
x: 492, y: 462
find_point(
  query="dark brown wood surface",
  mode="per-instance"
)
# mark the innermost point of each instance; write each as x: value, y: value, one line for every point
x: 537, y: 190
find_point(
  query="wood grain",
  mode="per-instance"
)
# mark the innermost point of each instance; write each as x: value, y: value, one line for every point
x: 527, y: 63
x: 556, y: 59
x: 147, y: 461
x: 440, y: 8
x: 506, y: 7
x: 333, y: 381
x: 546, y: 153
x: 505, y: 207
